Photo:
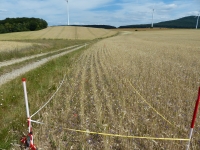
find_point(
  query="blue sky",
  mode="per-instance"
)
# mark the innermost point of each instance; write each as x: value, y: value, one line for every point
x: 110, y: 12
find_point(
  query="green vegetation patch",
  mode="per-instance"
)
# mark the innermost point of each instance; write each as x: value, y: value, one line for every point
x: 9, y: 25
x: 41, y: 84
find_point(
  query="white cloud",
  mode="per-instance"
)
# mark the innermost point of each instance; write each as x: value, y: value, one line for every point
x: 87, y: 4
x: 193, y: 13
x: 90, y: 12
x: 3, y: 10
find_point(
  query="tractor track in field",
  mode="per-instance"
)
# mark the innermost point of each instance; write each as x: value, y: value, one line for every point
x: 102, y: 91
x: 27, y: 67
x: 83, y: 80
x: 94, y: 88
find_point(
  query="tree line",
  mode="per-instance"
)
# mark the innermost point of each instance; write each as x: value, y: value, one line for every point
x: 98, y: 26
x: 21, y: 24
x: 95, y: 26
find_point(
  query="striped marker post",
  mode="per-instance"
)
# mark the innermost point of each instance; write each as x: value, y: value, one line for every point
x: 193, y: 119
x: 26, y: 102
x: 30, y: 132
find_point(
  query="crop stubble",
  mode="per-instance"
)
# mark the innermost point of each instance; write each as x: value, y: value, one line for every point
x: 98, y: 96
x: 8, y: 45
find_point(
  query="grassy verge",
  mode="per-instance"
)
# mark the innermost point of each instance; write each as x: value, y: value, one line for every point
x: 41, y: 83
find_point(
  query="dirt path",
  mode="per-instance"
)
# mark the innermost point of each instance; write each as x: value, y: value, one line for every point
x: 15, y: 73
x: 10, y: 62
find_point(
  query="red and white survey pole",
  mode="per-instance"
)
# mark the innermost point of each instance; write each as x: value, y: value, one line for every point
x: 28, y: 140
x: 193, y: 119
x: 26, y: 102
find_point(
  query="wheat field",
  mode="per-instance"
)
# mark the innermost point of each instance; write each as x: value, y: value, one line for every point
x: 60, y: 32
x: 10, y: 45
x: 141, y: 84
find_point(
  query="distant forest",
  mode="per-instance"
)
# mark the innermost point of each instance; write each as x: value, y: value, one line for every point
x: 97, y: 26
x: 185, y: 22
x: 21, y: 24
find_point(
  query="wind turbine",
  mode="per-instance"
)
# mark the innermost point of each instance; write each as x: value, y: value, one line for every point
x: 67, y: 12
x: 197, y: 21
x: 152, y: 18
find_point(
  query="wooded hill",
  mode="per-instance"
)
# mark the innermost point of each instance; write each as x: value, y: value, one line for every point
x: 21, y: 24
x: 185, y: 22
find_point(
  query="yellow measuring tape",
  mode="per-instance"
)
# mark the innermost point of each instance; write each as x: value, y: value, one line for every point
x: 150, y: 104
x: 124, y: 136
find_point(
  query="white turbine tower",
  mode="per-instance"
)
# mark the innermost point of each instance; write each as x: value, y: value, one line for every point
x: 152, y: 18
x: 197, y: 21
x: 67, y: 12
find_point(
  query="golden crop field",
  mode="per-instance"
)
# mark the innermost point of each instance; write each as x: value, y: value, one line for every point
x: 60, y: 32
x: 141, y: 84
x: 8, y: 45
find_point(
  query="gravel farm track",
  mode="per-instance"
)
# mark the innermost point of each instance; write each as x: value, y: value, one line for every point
x: 138, y: 83
x: 27, y: 67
